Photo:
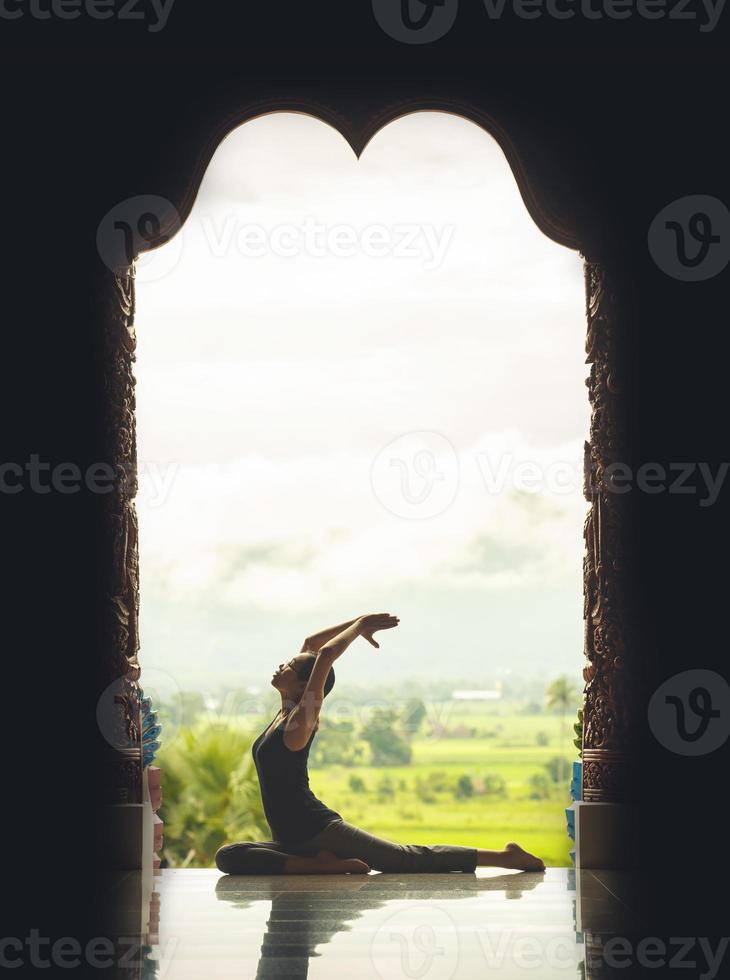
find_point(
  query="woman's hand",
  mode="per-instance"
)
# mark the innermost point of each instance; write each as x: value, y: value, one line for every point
x: 364, y: 626
x: 372, y: 623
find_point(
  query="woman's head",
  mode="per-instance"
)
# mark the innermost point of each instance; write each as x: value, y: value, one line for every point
x: 291, y: 677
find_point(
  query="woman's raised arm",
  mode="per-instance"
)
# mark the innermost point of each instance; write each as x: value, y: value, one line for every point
x: 315, y: 642
x: 303, y: 719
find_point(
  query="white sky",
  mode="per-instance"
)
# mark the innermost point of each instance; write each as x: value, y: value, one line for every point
x: 285, y: 484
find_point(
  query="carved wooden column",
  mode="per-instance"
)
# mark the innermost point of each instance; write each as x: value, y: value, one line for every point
x: 609, y: 726
x: 119, y: 709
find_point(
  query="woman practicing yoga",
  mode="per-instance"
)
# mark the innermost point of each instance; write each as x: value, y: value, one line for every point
x: 308, y: 837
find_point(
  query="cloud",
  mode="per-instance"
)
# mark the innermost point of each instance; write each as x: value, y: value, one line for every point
x: 273, y: 383
x: 283, y: 533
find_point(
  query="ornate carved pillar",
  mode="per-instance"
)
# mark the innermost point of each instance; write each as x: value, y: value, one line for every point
x: 119, y: 708
x: 609, y: 726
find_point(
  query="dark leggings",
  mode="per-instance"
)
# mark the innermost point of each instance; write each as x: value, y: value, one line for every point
x: 346, y: 841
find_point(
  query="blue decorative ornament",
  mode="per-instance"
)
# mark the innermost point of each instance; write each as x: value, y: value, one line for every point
x: 151, y: 729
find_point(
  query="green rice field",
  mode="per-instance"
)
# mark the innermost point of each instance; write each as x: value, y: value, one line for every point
x: 416, y: 803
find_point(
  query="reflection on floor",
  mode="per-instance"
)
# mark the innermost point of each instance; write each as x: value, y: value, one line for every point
x: 431, y: 927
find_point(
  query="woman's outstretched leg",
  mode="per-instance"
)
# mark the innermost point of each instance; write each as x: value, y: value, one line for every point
x: 271, y: 858
x: 348, y: 841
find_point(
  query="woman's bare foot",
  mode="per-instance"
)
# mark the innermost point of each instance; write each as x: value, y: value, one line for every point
x: 331, y: 864
x: 522, y: 860
x: 324, y: 863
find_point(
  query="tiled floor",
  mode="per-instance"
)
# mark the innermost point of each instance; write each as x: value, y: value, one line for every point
x: 430, y: 927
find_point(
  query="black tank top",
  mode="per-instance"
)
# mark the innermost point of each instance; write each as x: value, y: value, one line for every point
x: 292, y: 810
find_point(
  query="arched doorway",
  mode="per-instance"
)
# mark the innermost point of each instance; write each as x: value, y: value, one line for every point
x: 608, y: 716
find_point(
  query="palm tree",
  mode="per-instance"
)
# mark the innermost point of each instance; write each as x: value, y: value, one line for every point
x: 210, y: 793
x: 560, y: 695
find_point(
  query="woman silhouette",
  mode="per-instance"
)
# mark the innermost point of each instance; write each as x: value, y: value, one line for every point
x: 308, y: 837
